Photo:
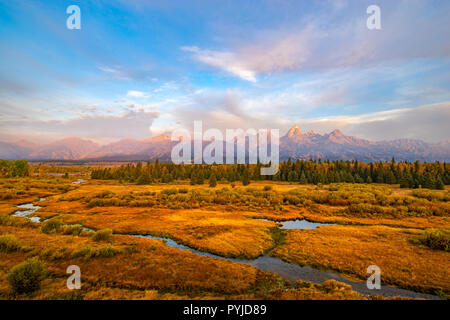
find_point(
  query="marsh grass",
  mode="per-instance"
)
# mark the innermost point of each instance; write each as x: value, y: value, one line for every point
x: 102, y: 235
x: 218, y: 221
x: 90, y: 252
x: 438, y: 239
x: 9, y: 243
x: 27, y: 276
x: 51, y: 226
x: 358, y: 200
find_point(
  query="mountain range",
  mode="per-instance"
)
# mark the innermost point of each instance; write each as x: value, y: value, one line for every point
x: 295, y: 145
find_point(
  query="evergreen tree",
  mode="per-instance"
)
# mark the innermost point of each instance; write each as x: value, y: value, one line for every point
x: 292, y: 176
x: 246, y: 178
x: 409, y: 175
x: 390, y: 178
x: 406, y: 181
x: 200, y: 179
x: 428, y: 181
x: 358, y: 179
x: 303, y: 179
x: 193, y: 178
x: 439, y: 184
x: 144, y: 178
x: 212, y: 181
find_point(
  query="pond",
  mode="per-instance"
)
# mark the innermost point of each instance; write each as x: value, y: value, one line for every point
x: 30, y: 209
x: 302, y: 224
x: 298, y: 224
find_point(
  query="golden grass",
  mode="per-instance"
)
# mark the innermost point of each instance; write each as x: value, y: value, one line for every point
x: 327, y: 214
x: 221, y: 232
x: 149, y: 265
x: 152, y: 270
x: 351, y: 249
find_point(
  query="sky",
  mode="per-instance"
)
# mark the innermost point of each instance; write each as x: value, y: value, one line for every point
x: 142, y: 68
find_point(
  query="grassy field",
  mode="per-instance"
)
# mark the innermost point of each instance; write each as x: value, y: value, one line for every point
x: 403, y: 231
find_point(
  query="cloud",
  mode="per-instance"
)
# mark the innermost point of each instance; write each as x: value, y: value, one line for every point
x: 124, y: 73
x: 327, y: 41
x: 136, y: 94
x: 427, y: 122
x: 231, y: 110
x: 134, y: 124
x: 226, y: 61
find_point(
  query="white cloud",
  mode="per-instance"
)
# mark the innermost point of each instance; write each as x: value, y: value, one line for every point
x: 134, y: 124
x: 226, y: 61
x: 327, y: 42
x: 231, y: 110
x: 136, y: 94
x: 427, y: 122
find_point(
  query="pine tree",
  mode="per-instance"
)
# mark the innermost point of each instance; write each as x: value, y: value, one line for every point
x: 212, y: 181
x: 390, y: 178
x: 406, y: 181
x: 200, y: 179
x: 380, y: 174
x: 292, y: 176
x: 144, y: 178
x: 358, y: 179
x: 246, y: 178
x: 428, y: 181
x: 303, y: 179
x: 193, y: 178
x: 439, y: 184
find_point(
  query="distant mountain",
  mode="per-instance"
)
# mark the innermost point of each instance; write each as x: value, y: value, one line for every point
x: 152, y: 148
x: 295, y: 145
x: 336, y: 145
x: 12, y: 151
x: 65, y: 149
x: 27, y: 144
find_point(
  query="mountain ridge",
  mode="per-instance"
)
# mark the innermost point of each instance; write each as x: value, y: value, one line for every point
x: 294, y: 144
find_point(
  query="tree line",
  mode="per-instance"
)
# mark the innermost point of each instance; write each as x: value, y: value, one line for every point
x: 14, y: 168
x: 409, y: 175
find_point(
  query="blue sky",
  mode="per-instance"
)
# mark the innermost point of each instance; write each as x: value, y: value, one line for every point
x: 140, y: 68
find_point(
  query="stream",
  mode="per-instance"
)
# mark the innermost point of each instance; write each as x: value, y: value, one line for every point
x: 289, y: 271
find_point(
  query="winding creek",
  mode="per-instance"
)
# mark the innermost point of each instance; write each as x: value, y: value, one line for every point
x: 292, y: 272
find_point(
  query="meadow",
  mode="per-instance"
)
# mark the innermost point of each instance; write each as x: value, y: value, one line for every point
x: 93, y: 224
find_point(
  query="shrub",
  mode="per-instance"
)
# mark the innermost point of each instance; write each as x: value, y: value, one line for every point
x: 74, y: 229
x: 267, y: 188
x: 14, y: 221
x: 102, y: 235
x: 90, y: 252
x: 9, y: 243
x: 169, y: 191
x: 132, y: 248
x: 431, y: 195
x: 212, y: 181
x: 51, y: 226
x: 436, y: 239
x: 106, y: 252
x: 183, y: 190
x: 86, y: 253
x: 27, y: 276
x: 333, y: 285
